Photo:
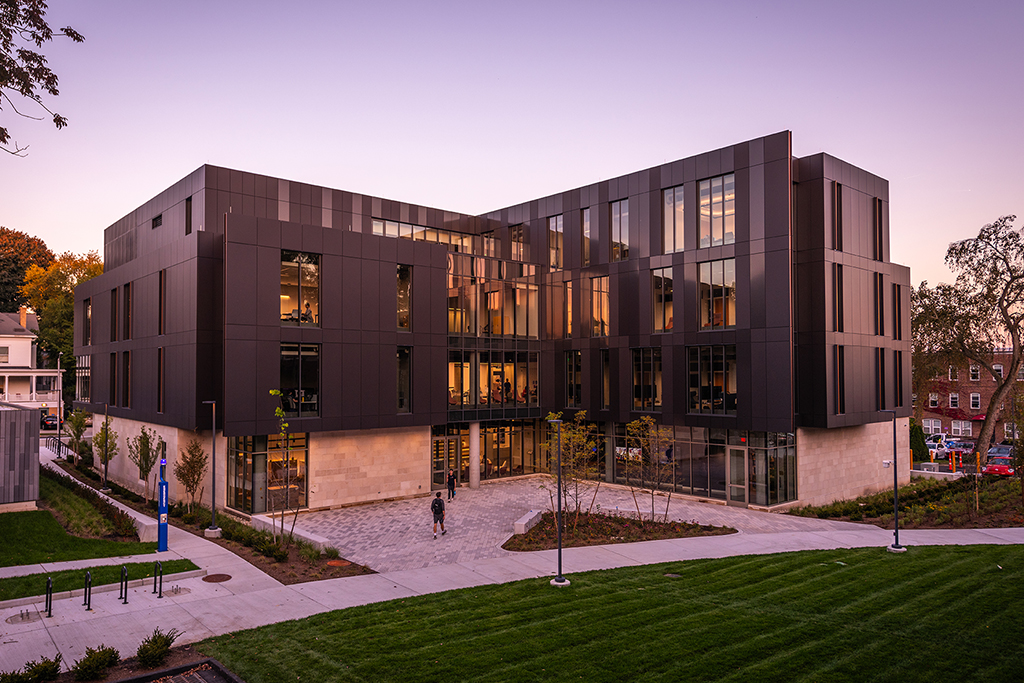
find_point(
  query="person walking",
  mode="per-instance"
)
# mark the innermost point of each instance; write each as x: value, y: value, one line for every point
x: 451, y: 484
x: 437, y: 507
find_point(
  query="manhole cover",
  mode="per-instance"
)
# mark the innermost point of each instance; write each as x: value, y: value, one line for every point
x: 216, y: 578
x: 338, y: 563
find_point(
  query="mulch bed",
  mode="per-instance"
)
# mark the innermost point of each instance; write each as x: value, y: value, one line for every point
x: 129, y: 668
x: 601, y: 529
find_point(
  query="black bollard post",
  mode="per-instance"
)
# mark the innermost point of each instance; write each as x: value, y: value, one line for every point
x: 158, y: 570
x: 124, y: 583
x: 88, y: 592
x: 49, y: 596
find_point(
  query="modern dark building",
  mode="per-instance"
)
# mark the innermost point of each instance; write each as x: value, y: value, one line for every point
x: 742, y: 297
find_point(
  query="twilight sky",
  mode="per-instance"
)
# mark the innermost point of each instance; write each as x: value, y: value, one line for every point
x: 472, y: 106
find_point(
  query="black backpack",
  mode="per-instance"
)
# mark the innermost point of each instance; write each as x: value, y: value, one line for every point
x: 437, y: 506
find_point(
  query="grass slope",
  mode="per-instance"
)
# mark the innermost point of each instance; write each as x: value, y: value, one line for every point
x: 931, y: 614
x: 35, y: 584
x: 34, y: 537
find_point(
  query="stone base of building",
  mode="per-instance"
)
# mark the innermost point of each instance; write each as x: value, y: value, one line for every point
x: 21, y: 506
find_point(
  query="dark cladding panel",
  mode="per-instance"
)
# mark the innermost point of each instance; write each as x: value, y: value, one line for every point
x: 777, y: 201
x: 243, y: 365
x: 350, y: 301
x: 240, y: 270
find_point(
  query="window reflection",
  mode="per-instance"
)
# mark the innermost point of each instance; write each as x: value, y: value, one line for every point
x: 404, y: 297
x: 300, y: 288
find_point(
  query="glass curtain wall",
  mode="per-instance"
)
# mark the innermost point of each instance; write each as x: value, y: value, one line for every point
x: 266, y: 473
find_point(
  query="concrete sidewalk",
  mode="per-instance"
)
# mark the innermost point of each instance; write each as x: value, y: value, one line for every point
x: 251, y: 598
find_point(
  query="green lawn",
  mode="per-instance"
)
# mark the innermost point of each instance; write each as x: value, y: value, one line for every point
x: 34, y: 537
x: 930, y: 614
x: 82, y: 517
x: 35, y: 584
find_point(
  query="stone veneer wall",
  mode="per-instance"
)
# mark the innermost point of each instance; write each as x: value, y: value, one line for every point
x: 366, y: 465
x: 838, y: 464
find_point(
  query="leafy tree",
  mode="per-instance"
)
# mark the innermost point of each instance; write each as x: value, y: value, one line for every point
x: 983, y: 310
x: 144, y: 450
x: 104, y: 445
x: 930, y: 360
x: 286, y: 484
x: 23, y: 71
x: 917, y: 441
x: 74, y: 425
x: 18, y: 252
x: 190, y: 469
x: 579, y: 447
x: 648, y: 447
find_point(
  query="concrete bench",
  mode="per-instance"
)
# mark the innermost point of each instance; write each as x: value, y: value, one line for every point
x: 527, y: 521
x: 147, y: 527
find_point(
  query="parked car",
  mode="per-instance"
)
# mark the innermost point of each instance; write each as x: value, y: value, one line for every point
x: 961, y: 449
x: 938, y: 445
x: 49, y: 422
x: 1000, y: 465
x: 997, y: 451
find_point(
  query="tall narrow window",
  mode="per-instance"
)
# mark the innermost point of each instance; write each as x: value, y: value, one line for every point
x: 879, y: 379
x: 160, y: 380
x: 647, y: 379
x: 839, y: 379
x: 188, y: 215
x: 662, y: 285
x: 300, y: 379
x: 877, y: 234
x: 672, y: 220
x: 87, y: 322
x: 837, y: 297
x: 127, y: 310
x: 404, y: 389
x: 83, y: 378
x: 112, y: 385
x: 300, y: 288
x: 126, y: 379
x: 897, y: 313
x: 718, y: 211
x: 573, y: 378
x: 897, y: 366
x: 555, y: 241
x: 837, y: 216
x: 162, y: 304
x: 585, y: 228
x: 712, y: 379
x: 517, y: 236
x: 113, y: 314
x: 620, y: 230
x: 567, y: 287
x: 404, y: 297
x: 600, y: 306
x: 606, y: 379
x: 879, y: 285
x: 717, y: 292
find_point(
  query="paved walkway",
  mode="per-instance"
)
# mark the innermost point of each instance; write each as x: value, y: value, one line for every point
x: 459, y: 560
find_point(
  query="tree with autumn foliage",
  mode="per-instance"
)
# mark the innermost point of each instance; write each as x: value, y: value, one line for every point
x: 982, y: 310
x: 19, y: 251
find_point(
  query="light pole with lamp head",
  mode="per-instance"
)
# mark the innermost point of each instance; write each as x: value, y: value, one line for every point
x: 60, y: 396
x: 213, y: 531
x: 559, y: 580
x: 895, y: 547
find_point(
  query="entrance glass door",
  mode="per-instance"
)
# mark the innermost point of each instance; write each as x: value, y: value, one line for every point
x: 446, y: 453
x: 737, y: 476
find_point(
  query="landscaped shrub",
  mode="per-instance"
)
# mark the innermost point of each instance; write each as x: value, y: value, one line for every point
x: 117, y: 517
x: 93, y: 666
x: 279, y: 553
x: 332, y: 553
x: 309, y: 552
x: 124, y: 524
x: 153, y: 650
x: 43, y: 670
x: 14, y: 677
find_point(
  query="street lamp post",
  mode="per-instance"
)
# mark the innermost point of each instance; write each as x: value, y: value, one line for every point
x: 895, y: 547
x: 559, y: 580
x: 106, y: 445
x: 60, y: 397
x: 213, y: 531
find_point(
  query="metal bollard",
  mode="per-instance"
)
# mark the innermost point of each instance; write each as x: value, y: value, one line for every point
x: 158, y: 570
x: 124, y: 585
x: 49, y: 596
x: 88, y: 592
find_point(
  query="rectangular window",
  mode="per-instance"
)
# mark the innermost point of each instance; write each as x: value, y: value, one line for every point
x: 404, y: 303
x: 877, y: 234
x: 404, y: 358
x: 897, y: 313
x: 160, y: 380
x: 960, y: 428
x: 161, y: 322
x: 647, y: 379
x: 672, y: 229
x: 585, y: 229
x: 837, y: 216
x: 954, y: 400
x: 300, y: 379
x: 839, y: 379
x: 712, y: 379
x: 620, y: 230
x: 87, y: 323
x: 606, y: 379
x: 1009, y: 431
x: 837, y: 297
x: 517, y: 237
x: 555, y: 244
x: 975, y: 373
x: 112, y: 385
x: 128, y: 311
x: 83, y: 378
x: 931, y: 426
x: 5, y: 354
x: 158, y: 221
x: 954, y: 373
x: 717, y: 291
x: 975, y: 401
x: 573, y: 379
x: 933, y: 400
x: 378, y: 227
x: 126, y: 379
x: 879, y: 284
x: 567, y: 323
x: 879, y: 379
x: 662, y: 285
x: 997, y: 372
x: 897, y: 366
x: 188, y: 215
x: 718, y: 211
x: 300, y: 288
x: 600, y: 307
x: 113, y: 314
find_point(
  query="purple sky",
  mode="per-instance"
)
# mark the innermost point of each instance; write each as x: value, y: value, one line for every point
x: 471, y: 106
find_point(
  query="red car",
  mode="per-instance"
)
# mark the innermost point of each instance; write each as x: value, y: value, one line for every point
x: 1001, y: 465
